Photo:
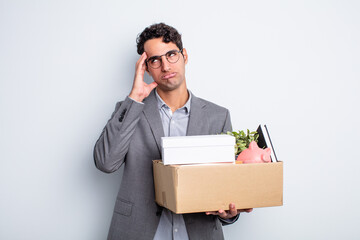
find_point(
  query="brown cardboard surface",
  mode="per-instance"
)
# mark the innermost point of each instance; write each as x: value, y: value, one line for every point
x: 205, y: 187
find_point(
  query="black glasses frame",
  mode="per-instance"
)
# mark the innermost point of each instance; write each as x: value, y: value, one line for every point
x: 159, y: 57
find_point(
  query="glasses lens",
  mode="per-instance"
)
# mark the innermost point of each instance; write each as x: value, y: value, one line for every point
x: 155, y: 62
x: 172, y: 56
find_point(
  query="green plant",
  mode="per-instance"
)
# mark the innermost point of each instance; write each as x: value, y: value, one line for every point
x: 243, y: 140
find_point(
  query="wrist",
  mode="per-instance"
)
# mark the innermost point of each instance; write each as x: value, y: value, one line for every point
x: 136, y: 97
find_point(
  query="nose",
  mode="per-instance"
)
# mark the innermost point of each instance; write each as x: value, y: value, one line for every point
x: 165, y: 65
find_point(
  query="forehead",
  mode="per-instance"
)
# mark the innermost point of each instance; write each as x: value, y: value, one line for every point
x: 156, y: 46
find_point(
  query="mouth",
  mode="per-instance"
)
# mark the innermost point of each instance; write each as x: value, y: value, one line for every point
x: 168, y: 76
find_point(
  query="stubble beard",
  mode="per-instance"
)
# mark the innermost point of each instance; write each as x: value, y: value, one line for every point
x: 167, y: 86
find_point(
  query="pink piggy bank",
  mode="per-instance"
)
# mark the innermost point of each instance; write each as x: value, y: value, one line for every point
x: 254, y: 154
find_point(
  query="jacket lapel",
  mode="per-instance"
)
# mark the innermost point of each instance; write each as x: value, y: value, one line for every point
x: 198, y: 122
x: 152, y: 115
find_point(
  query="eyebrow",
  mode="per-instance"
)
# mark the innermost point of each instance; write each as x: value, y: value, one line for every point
x: 158, y: 56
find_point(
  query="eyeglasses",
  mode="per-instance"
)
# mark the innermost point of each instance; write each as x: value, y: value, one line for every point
x: 171, y: 56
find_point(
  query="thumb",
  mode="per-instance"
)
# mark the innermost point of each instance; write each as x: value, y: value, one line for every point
x: 152, y: 85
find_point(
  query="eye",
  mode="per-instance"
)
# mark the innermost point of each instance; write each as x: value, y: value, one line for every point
x: 153, y: 60
x: 171, y: 54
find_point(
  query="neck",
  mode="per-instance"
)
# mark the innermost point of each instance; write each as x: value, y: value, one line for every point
x: 174, y: 99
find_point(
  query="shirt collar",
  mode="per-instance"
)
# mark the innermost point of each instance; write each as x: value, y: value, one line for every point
x: 162, y: 104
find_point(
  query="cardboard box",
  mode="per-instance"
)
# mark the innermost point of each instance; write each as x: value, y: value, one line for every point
x: 210, y: 187
x: 198, y: 149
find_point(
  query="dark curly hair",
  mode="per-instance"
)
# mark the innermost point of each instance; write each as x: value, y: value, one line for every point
x: 158, y: 30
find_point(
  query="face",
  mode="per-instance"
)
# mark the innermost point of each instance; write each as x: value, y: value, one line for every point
x: 169, y: 76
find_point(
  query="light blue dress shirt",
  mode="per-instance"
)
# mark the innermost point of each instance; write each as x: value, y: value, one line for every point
x: 171, y: 225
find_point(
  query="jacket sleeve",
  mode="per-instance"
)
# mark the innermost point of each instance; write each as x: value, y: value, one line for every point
x: 113, y: 144
x: 229, y: 221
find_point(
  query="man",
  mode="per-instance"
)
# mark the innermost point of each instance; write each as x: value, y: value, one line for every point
x: 132, y: 136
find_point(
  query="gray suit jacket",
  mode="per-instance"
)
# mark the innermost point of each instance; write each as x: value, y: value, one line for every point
x: 132, y: 136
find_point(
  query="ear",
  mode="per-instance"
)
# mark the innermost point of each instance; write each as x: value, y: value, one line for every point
x: 185, y: 55
x: 253, y: 145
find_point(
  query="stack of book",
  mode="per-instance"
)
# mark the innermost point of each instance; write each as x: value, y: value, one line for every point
x: 198, y: 149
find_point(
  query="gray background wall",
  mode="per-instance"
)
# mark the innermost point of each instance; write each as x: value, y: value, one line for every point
x: 293, y: 65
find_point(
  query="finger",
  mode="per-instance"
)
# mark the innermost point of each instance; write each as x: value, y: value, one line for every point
x: 152, y: 85
x: 140, y: 64
x: 212, y: 213
x: 222, y: 214
x: 140, y: 69
x: 232, y: 210
x: 142, y: 57
x: 248, y: 210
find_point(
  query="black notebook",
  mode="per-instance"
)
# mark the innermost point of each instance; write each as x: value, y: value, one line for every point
x: 264, y: 141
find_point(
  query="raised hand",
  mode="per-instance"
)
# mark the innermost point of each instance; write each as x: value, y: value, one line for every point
x: 141, y: 89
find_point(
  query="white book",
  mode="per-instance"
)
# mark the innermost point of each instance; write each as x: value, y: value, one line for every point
x: 198, y: 149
